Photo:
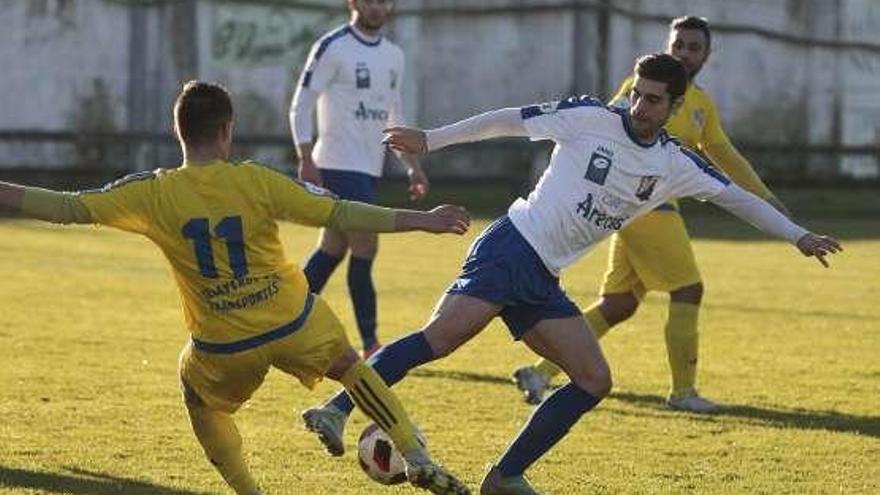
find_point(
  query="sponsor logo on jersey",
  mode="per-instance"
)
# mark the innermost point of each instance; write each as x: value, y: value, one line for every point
x: 646, y: 187
x: 362, y: 76
x: 364, y: 113
x: 600, y: 163
x: 548, y: 107
x: 598, y: 217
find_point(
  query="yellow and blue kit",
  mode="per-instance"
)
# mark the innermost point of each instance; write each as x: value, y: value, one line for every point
x: 654, y: 252
x: 216, y: 224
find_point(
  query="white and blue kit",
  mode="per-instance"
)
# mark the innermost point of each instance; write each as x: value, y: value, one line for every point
x: 600, y: 177
x: 354, y: 82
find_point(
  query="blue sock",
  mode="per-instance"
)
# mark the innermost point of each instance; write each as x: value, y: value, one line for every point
x: 392, y: 363
x: 318, y: 269
x: 548, y: 424
x: 363, y: 297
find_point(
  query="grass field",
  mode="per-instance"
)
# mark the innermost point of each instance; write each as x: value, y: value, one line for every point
x: 90, y: 330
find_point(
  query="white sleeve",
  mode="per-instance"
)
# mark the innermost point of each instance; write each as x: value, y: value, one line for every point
x: 321, y: 66
x: 695, y: 177
x: 301, y: 109
x: 506, y: 122
x: 758, y: 212
x: 560, y: 120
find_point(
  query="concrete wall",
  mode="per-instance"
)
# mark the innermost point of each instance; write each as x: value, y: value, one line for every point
x: 104, y: 65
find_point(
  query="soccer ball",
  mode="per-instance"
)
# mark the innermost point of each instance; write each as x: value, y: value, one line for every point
x: 378, y: 457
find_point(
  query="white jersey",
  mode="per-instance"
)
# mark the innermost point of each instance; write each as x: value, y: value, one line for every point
x: 600, y: 178
x: 358, y: 82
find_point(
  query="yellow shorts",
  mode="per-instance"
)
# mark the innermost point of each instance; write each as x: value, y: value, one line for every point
x: 652, y: 253
x: 226, y: 381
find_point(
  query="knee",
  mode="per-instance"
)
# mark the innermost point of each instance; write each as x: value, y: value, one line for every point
x: 619, y: 308
x: 364, y: 248
x: 692, y: 294
x: 342, y: 364
x: 596, y: 380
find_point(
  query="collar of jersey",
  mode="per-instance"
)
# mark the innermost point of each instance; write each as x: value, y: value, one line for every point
x: 360, y: 37
x: 627, y: 126
x: 215, y: 161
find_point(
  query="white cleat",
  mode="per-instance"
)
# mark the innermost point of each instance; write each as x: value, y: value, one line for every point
x: 532, y: 384
x: 328, y: 423
x: 692, y: 403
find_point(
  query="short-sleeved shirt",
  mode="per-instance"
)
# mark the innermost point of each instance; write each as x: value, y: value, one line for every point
x: 216, y: 225
x: 600, y: 177
x: 358, y: 82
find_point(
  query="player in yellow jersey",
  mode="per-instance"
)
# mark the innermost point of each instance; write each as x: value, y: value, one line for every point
x: 246, y: 307
x: 654, y: 252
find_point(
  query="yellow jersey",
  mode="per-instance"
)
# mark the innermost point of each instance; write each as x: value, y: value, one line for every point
x: 697, y: 125
x: 216, y: 224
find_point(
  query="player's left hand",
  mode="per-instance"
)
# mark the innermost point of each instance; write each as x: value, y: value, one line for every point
x: 418, y: 183
x: 406, y: 139
x: 819, y: 246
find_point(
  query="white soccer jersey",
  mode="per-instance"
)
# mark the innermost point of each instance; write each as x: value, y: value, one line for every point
x: 358, y: 81
x: 599, y: 178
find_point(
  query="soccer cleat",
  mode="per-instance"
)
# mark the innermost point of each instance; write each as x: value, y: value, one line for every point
x: 692, y: 403
x: 329, y: 423
x: 532, y: 384
x: 495, y: 484
x: 430, y: 476
x: 369, y: 351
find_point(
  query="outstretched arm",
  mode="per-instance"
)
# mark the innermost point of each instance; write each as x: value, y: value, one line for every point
x: 506, y: 122
x: 355, y: 216
x: 42, y: 204
x: 768, y: 219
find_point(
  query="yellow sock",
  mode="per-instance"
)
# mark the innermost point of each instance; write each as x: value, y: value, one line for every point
x: 596, y: 321
x: 682, y: 346
x: 221, y: 441
x: 374, y: 398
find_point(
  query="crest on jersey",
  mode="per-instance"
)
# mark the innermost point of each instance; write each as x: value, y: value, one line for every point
x: 392, y: 76
x: 599, y: 165
x: 362, y: 76
x: 646, y: 187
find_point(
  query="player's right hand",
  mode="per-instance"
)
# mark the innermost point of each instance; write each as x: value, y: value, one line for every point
x: 406, y: 139
x: 445, y: 219
x: 819, y: 246
x: 308, y: 172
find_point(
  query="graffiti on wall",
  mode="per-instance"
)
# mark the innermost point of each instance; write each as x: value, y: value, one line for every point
x: 256, y: 35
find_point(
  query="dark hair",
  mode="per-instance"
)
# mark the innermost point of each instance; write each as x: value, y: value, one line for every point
x: 665, y: 68
x: 200, y: 111
x: 693, y: 22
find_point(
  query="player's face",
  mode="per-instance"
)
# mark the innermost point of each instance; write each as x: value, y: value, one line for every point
x: 650, y: 105
x: 690, y: 47
x: 370, y: 15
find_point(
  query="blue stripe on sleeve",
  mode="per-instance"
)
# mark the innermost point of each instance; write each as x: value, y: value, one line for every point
x: 545, y: 108
x: 325, y: 43
x: 705, y: 166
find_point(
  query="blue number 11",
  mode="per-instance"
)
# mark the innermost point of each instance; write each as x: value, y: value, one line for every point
x: 229, y: 228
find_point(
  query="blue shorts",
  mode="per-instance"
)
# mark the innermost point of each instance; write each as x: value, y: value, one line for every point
x: 353, y: 186
x: 502, y: 268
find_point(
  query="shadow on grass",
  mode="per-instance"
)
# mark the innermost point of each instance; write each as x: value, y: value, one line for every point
x: 803, y: 419
x: 81, y: 482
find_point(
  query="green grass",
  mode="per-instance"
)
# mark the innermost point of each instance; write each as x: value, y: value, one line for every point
x: 90, y: 330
